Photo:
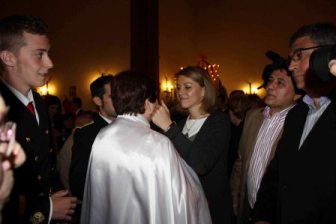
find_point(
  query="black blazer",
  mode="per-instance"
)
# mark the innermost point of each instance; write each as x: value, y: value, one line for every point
x: 36, y: 177
x: 207, y: 155
x: 81, y: 150
x: 299, y: 186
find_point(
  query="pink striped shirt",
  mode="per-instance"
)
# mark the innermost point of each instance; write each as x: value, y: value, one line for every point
x: 268, y: 133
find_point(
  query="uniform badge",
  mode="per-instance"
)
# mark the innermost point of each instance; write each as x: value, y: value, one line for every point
x: 37, y: 218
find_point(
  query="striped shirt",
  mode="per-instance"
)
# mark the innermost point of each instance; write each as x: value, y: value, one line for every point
x: 313, y: 115
x: 267, y: 135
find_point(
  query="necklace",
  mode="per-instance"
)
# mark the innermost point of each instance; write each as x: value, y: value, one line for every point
x: 192, y: 126
x: 188, y: 125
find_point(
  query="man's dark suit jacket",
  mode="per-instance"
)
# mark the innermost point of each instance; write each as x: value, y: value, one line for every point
x: 81, y: 150
x: 299, y: 186
x: 208, y: 156
x: 35, y: 178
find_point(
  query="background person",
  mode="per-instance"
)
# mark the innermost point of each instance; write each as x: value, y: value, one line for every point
x: 261, y: 133
x: 84, y: 136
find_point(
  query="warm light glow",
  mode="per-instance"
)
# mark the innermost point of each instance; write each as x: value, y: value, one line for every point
x: 44, y: 90
x: 253, y: 89
x: 213, y: 71
x: 246, y: 90
x: 167, y: 86
x: 93, y: 76
x: 96, y: 74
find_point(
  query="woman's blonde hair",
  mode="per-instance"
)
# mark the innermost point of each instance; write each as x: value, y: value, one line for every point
x: 202, y: 77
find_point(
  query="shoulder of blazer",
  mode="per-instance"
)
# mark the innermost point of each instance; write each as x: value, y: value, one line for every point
x: 298, y: 112
x: 84, y: 125
x: 7, y: 95
x: 99, y: 121
x: 93, y: 127
x: 217, y: 120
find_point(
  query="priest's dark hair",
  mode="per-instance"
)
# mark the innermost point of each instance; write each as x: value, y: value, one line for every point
x: 130, y: 90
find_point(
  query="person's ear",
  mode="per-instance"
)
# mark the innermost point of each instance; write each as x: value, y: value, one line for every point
x: 8, y: 58
x: 97, y: 101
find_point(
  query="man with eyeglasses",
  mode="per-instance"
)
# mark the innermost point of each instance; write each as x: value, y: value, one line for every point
x: 299, y: 185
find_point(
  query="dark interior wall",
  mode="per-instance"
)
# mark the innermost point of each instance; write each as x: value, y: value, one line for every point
x: 87, y: 38
x: 90, y: 37
x: 234, y: 34
x: 145, y: 37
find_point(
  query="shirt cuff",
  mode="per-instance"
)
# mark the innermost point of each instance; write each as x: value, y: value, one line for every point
x: 50, y: 210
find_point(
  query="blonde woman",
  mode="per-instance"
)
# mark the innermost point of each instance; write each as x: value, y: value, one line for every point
x: 202, y: 139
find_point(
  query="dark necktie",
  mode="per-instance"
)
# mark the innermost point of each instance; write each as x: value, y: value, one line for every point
x: 30, y: 107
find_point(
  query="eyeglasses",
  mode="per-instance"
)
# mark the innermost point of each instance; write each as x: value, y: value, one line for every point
x: 297, y: 54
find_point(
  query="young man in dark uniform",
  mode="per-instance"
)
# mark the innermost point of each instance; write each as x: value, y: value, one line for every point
x: 85, y: 136
x: 25, y: 62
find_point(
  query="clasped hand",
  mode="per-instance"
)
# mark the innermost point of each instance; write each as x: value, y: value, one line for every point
x: 63, y: 205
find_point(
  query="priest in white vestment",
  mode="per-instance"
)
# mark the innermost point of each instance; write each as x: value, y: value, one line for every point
x: 135, y: 175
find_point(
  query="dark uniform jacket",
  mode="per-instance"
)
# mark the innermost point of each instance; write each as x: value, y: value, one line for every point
x: 299, y: 185
x: 81, y: 150
x: 35, y: 178
x: 207, y: 154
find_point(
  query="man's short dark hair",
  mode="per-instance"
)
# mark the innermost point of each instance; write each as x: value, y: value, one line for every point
x: 12, y: 28
x: 320, y: 33
x: 130, y: 89
x: 277, y: 64
x: 270, y: 68
x: 97, y: 86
